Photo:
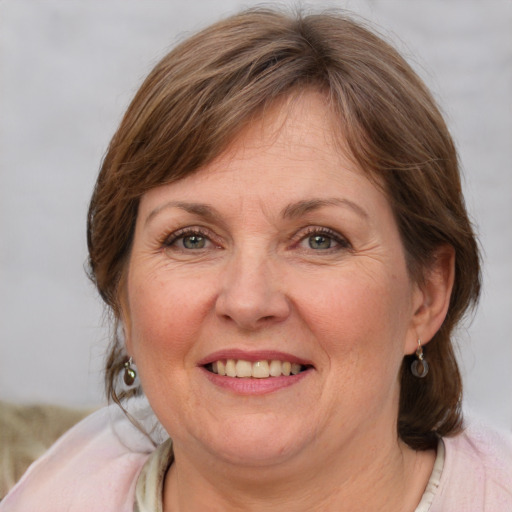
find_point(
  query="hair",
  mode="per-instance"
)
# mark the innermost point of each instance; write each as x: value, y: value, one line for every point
x: 200, y: 95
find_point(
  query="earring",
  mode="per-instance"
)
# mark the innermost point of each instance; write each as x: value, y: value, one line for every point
x: 129, y: 373
x: 419, y: 366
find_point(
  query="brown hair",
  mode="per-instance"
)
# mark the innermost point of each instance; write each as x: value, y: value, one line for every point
x: 200, y: 95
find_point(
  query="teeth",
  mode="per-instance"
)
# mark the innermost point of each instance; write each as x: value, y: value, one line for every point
x: 243, y: 368
x: 295, y: 369
x: 230, y: 368
x: 258, y: 370
x: 275, y: 368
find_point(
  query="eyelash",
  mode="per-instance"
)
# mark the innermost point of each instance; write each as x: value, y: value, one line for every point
x: 170, y: 240
x: 342, y: 243
x: 340, y: 240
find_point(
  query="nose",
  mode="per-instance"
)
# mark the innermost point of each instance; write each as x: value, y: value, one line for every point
x: 251, y: 293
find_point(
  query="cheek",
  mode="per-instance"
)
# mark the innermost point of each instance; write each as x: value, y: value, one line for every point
x: 359, y: 318
x: 164, y: 316
x: 360, y: 326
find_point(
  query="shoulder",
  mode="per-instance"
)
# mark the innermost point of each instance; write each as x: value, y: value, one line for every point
x: 477, y: 473
x: 94, y: 466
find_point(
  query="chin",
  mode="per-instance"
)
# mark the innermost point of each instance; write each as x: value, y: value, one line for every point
x: 257, y: 442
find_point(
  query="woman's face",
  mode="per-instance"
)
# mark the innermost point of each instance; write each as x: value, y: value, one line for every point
x: 278, y: 256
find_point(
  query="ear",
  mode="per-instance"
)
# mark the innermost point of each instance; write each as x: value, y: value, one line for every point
x: 432, y: 298
x: 124, y: 326
x: 124, y: 315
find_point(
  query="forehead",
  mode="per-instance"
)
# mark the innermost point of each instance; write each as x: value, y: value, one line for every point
x: 299, y: 124
x: 290, y: 152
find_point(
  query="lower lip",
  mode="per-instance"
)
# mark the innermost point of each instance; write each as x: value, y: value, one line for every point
x: 251, y: 386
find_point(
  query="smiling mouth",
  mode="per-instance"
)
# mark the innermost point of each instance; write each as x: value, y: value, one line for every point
x: 242, y: 369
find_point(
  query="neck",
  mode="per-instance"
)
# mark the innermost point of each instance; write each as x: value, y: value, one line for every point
x: 383, y: 475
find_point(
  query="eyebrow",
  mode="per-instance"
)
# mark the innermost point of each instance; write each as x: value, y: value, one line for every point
x: 292, y: 211
x: 295, y: 210
x: 201, y: 210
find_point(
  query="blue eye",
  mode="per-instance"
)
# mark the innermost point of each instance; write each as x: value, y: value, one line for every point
x: 193, y: 242
x: 188, y: 240
x: 320, y: 242
x: 323, y: 239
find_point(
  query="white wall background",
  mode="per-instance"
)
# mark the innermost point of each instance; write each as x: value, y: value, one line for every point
x: 68, y: 70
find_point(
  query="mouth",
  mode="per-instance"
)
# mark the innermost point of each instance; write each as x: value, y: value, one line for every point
x: 261, y: 369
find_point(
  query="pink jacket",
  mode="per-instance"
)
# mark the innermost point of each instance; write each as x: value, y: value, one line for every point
x: 477, y: 473
x: 94, y: 467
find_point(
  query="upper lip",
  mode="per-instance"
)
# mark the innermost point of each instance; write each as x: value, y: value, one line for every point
x: 252, y: 356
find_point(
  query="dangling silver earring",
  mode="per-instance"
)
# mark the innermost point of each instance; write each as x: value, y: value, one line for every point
x: 419, y: 366
x: 129, y: 373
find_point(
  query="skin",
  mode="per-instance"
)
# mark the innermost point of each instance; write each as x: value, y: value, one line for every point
x: 261, y: 281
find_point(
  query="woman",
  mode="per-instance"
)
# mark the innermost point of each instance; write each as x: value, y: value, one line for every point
x: 279, y: 230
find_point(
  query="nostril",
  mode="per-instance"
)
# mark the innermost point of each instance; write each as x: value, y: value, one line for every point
x: 250, y: 297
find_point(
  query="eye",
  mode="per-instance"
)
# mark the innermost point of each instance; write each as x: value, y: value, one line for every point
x: 320, y: 242
x: 193, y: 241
x: 322, y: 239
x: 189, y: 240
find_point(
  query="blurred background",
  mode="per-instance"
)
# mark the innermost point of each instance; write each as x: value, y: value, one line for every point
x: 68, y: 69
